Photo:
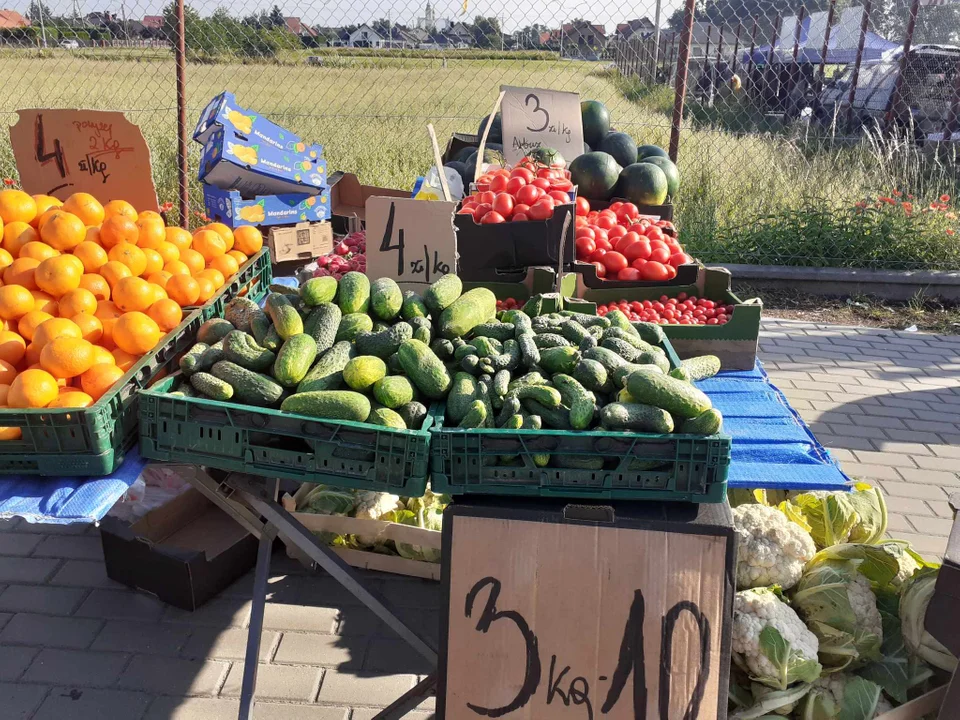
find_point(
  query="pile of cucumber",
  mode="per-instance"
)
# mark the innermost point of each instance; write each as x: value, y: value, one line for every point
x: 369, y: 352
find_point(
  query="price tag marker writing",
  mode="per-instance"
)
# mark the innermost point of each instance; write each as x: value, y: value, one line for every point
x: 534, y: 117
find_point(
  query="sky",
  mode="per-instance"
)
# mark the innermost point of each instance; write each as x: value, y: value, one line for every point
x: 339, y: 12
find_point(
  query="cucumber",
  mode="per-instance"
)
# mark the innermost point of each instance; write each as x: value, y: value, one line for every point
x: 574, y: 332
x: 509, y: 359
x: 442, y: 348
x: 327, y: 372
x: 211, y: 386
x: 393, y: 364
x: 353, y: 295
x: 422, y: 329
x: 190, y: 362
x: 529, y: 352
x: 592, y: 375
x: 464, y: 350
x: 497, y: 330
x: 588, y: 342
x: 631, y: 337
x: 581, y: 401
x: 533, y: 306
x: 386, y: 299
x: 513, y: 422
x: 619, y: 320
x: 295, y: 359
x: 531, y: 378
x: 442, y: 293
x: 319, y: 291
x: 286, y: 319
x: 624, y: 349
x: 361, y: 372
x: 329, y: 405
x: 386, y: 417
x: 680, y: 373
x: 587, y: 320
x: 653, y: 358
x: 424, y: 369
x: 559, y: 360
x: 393, y: 391
x: 483, y: 394
x: 249, y: 388
x: 520, y: 321
x: 211, y: 355
x: 323, y: 323
x: 558, y: 419
x: 260, y: 326
x: 511, y: 406
x: 242, y: 312
x: 471, y: 364
x: 487, y: 347
x: 546, y: 396
x: 466, y: 312
x: 677, y: 397
x: 242, y: 349
x: 702, y: 367
x: 476, y: 415
x: 707, y: 423
x: 352, y: 325
x: 501, y: 381
x: 385, y: 343
x: 413, y: 306
x: 413, y: 414
x: 649, y: 332
x: 213, y: 330
x: 463, y: 392
x: 545, y: 341
x: 636, y: 416
x: 272, y: 340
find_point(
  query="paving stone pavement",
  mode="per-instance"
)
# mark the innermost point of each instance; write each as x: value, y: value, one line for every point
x: 76, y: 646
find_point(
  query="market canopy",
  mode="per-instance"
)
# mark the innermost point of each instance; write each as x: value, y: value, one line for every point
x: 874, y: 47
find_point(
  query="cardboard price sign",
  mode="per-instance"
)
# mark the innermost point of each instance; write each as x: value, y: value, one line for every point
x: 533, y: 117
x: 412, y: 241
x: 575, y: 622
x: 60, y: 152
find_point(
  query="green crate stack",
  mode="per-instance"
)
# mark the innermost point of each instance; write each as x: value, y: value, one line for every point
x: 252, y: 279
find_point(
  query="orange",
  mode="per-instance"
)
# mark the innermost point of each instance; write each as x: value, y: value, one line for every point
x: 4, y: 391
x: 152, y: 231
x: 208, y: 288
x: 72, y: 399
x: 66, y: 357
x: 124, y: 360
x: 21, y: 272
x: 32, y: 389
x: 102, y: 355
x: 77, y: 301
x: 119, y: 207
x: 16, y: 235
x: 238, y: 256
x: 129, y: 255
x: 179, y: 237
x: 38, y: 251
x: 6, y: 259
x: 118, y: 229
x: 53, y: 329
x: 42, y: 301
x: 90, y: 326
x: 100, y: 378
x: 45, y: 202
x: 12, y: 347
x: 115, y: 270
x: 32, y: 357
x: 15, y: 302
x: 7, y: 372
x: 86, y: 207
x: 39, y: 221
x: 158, y: 292
x: 106, y: 340
x: 61, y: 382
x: 248, y: 240
x: 223, y: 231
x: 225, y: 264
x: 133, y: 293
x: 16, y: 206
x: 92, y: 256
x: 96, y: 284
x: 10, y: 433
x: 92, y: 235
x: 59, y: 275
x: 174, y: 268
x: 28, y: 324
x: 166, y: 313
x: 62, y: 230
x: 107, y: 310
x: 209, y: 244
x: 183, y: 289
x: 193, y: 260
x: 154, y: 262
x: 213, y: 274
x: 169, y: 252
x: 151, y: 214
x: 136, y: 333
x: 160, y: 278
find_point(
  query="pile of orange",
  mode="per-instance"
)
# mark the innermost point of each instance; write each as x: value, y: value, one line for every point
x: 87, y: 288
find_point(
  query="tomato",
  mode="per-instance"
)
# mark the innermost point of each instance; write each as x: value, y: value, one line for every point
x: 481, y: 210
x: 486, y: 198
x: 514, y: 184
x: 602, y: 242
x: 658, y: 272
x: 626, y: 240
x: 465, y: 211
x: 542, y: 209
x: 503, y: 204
x: 521, y: 208
x: 585, y: 246
x: 483, y: 185
x: 654, y: 233
x: 592, y: 217
x: 529, y: 194
x: 521, y: 172
x: 614, y: 206
x: 586, y: 232
x: 519, y: 217
x: 616, y: 232
x: 583, y: 207
x: 614, y: 261
x: 541, y: 183
x: 671, y: 272
x: 545, y: 172
x: 600, y: 234
x: 469, y: 205
x: 638, y: 264
x: 498, y: 184
x: 492, y: 218
x: 640, y: 250
x: 601, y: 270
x: 560, y: 198
x: 660, y: 254
x: 580, y: 221
x: 597, y: 255
x: 628, y: 211
x: 680, y: 258
x: 629, y: 274
x: 563, y: 185
x: 606, y: 221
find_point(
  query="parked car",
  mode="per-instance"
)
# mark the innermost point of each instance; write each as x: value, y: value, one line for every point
x: 70, y: 44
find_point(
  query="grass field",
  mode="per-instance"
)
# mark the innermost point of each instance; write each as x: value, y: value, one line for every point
x: 372, y: 121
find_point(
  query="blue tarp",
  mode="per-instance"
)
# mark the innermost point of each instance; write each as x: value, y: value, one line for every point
x: 772, y: 448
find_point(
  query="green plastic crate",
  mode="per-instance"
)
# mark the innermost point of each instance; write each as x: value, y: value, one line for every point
x: 252, y: 279
x: 272, y: 443
x: 469, y: 461
x: 91, y: 441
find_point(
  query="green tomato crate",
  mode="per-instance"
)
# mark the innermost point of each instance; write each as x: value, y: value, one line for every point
x: 268, y: 442
x: 91, y: 441
x: 636, y: 466
x: 252, y: 280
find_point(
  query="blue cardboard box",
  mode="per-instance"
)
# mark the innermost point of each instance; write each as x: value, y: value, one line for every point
x: 238, y: 123
x: 253, y: 170
x: 230, y: 208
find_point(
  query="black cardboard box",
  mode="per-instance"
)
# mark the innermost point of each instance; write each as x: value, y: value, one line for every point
x: 184, y: 552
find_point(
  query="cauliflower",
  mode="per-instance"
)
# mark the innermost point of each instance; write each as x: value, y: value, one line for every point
x: 856, y: 516
x: 772, y: 550
x: 373, y: 506
x: 843, y: 695
x: 770, y: 641
x: 864, y: 604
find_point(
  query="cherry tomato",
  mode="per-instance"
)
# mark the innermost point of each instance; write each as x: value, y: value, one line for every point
x: 519, y: 217
x: 503, y: 203
x: 658, y: 272
x: 660, y: 254
x: 529, y: 194
x: 583, y: 207
x: 542, y: 209
x: 614, y: 206
x: 614, y: 262
x: 520, y: 208
x: 514, y: 184
x: 486, y: 197
x: 481, y: 210
x: 601, y: 270
x: 629, y: 274
x: 522, y: 172
x: 639, y: 250
x: 585, y: 246
x: 498, y: 184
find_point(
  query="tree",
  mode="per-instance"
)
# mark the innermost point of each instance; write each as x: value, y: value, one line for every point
x: 37, y: 10
x: 486, y: 32
x: 276, y: 18
x: 529, y: 37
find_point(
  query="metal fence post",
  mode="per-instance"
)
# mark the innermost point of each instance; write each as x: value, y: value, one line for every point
x: 736, y: 46
x: 856, y: 68
x: 826, y: 44
x: 753, y: 47
x: 182, y: 170
x: 773, y: 40
x: 895, y: 98
x: 683, y: 61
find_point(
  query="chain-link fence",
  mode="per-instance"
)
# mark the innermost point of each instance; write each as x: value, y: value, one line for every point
x: 807, y: 132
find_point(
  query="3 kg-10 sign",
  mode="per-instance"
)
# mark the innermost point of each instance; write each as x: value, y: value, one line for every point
x: 412, y: 241
x: 533, y: 117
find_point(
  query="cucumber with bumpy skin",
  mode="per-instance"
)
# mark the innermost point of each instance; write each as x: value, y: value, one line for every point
x: 386, y: 298
x: 680, y: 373
x: 329, y: 405
x: 295, y: 359
x: 574, y: 331
x: 272, y: 340
x: 475, y: 417
x: 501, y: 381
x: 545, y: 341
x: 353, y: 295
x: 363, y: 371
x: 190, y: 362
x: 242, y: 349
x: 322, y: 324
x: 636, y: 416
x: 702, y: 367
x: 624, y: 349
x: 581, y: 401
x: 558, y: 418
x: 513, y: 422
x: 679, y: 398
x: 529, y: 352
x: 649, y: 332
x: 588, y: 342
x: 487, y: 347
x: 547, y: 396
x: 497, y: 330
x: 520, y: 321
x: 413, y: 306
x: 385, y: 343
x: 531, y: 378
x: 442, y: 348
x: 511, y: 406
x: 319, y: 290
x: 471, y: 364
x: 424, y: 369
x: 210, y: 356
x: 707, y: 423
x: 327, y: 372
x: 653, y: 358
x: 463, y: 392
x: 422, y: 329
x: 352, y: 325
x: 559, y: 360
x: 618, y: 319
x: 393, y: 391
x: 483, y: 394
x: 587, y: 320
x: 591, y: 374
x: 413, y: 414
x: 386, y: 417
x: 509, y: 359
x: 474, y: 307
x: 211, y: 386
x: 249, y: 388
x: 286, y: 319
x: 442, y: 293
x: 631, y: 337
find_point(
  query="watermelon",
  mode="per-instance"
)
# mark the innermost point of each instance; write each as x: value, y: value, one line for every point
x: 587, y: 148
x: 595, y: 174
x: 596, y: 121
x: 547, y: 156
x: 496, y: 129
x: 490, y: 155
x: 645, y: 151
x: 621, y: 147
x: 642, y: 184
x: 670, y: 170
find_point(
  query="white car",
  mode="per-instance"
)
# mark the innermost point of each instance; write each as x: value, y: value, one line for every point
x: 70, y: 44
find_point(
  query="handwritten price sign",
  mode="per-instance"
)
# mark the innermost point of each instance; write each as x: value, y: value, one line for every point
x: 60, y: 152
x: 534, y: 118
x: 574, y: 622
x: 412, y: 241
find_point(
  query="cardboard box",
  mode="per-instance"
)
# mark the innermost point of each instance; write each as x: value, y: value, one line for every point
x: 184, y: 552
x: 302, y: 242
x: 232, y: 164
x: 348, y: 201
x: 230, y: 208
x: 625, y: 604
x: 244, y: 125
